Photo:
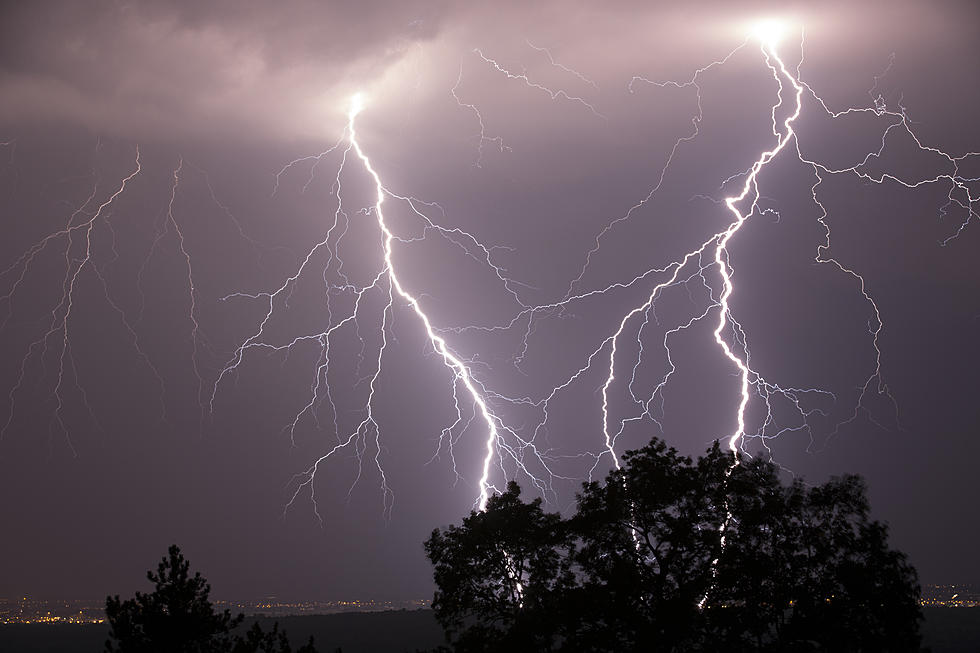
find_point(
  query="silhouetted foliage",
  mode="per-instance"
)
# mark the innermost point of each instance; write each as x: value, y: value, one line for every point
x: 670, y: 554
x: 257, y: 640
x: 178, y: 617
x: 513, y: 560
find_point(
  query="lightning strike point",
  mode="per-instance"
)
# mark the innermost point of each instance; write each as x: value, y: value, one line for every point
x: 356, y: 104
x: 769, y: 31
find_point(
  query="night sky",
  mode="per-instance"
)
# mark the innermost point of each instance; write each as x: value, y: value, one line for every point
x: 135, y: 419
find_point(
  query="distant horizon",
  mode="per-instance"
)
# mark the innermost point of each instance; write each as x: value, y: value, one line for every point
x: 350, y: 601
x: 291, y: 600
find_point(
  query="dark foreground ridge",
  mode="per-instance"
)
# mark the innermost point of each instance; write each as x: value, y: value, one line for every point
x: 357, y: 632
x: 404, y: 631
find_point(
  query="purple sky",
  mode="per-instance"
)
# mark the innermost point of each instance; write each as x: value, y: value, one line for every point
x: 129, y: 453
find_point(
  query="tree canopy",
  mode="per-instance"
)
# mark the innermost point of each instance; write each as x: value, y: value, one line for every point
x: 178, y: 617
x: 674, y: 554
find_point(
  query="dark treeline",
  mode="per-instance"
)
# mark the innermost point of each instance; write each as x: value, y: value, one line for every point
x: 666, y: 554
x: 945, y: 630
x: 672, y: 554
x: 178, y: 617
x: 391, y: 631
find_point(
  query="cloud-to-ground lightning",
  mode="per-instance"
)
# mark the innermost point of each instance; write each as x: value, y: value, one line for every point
x: 715, y: 247
x: 631, y: 363
x: 728, y: 334
x: 387, y: 282
x: 706, y: 266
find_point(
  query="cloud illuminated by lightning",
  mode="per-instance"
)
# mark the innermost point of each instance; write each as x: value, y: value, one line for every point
x: 708, y: 266
x: 613, y: 365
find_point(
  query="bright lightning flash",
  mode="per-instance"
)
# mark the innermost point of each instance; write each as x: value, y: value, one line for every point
x: 769, y: 32
x: 706, y: 268
x: 611, y: 368
x: 462, y: 373
x: 388, y: 282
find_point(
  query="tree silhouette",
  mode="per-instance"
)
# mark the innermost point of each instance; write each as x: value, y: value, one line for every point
x: 505, y: 564
x: 670, y: 554
x: 257, y: 640
x: 649, y: 535
x: 178, y: 617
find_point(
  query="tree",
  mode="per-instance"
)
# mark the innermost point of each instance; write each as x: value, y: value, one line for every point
x: 670, y: 554
x: 648, y: 536
x: 505, y: 564
x: 178, y: 617
x: 808, y: 569
x: 257, y: 640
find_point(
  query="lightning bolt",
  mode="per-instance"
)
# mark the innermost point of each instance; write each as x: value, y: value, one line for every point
x: 196, y: 335
x: 715, y: 247
x: 712, y: 257
x: 618, y: 364
x: 482, y: 136
x: 81, y: 227
x: 717, y: 244
x: 554, y: 94
x: 78, y: 244
x: 388, y: 282
x: 704, y: 270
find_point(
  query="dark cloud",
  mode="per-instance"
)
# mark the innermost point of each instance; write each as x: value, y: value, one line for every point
x: 143, y: 68
x: 259, y: 69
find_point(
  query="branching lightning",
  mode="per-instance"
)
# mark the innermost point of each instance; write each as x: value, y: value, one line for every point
x: 81, y: 242
x: 728, y: 334
x: 613, y: 365
x: 388, y: 283
x: 77, y: 233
